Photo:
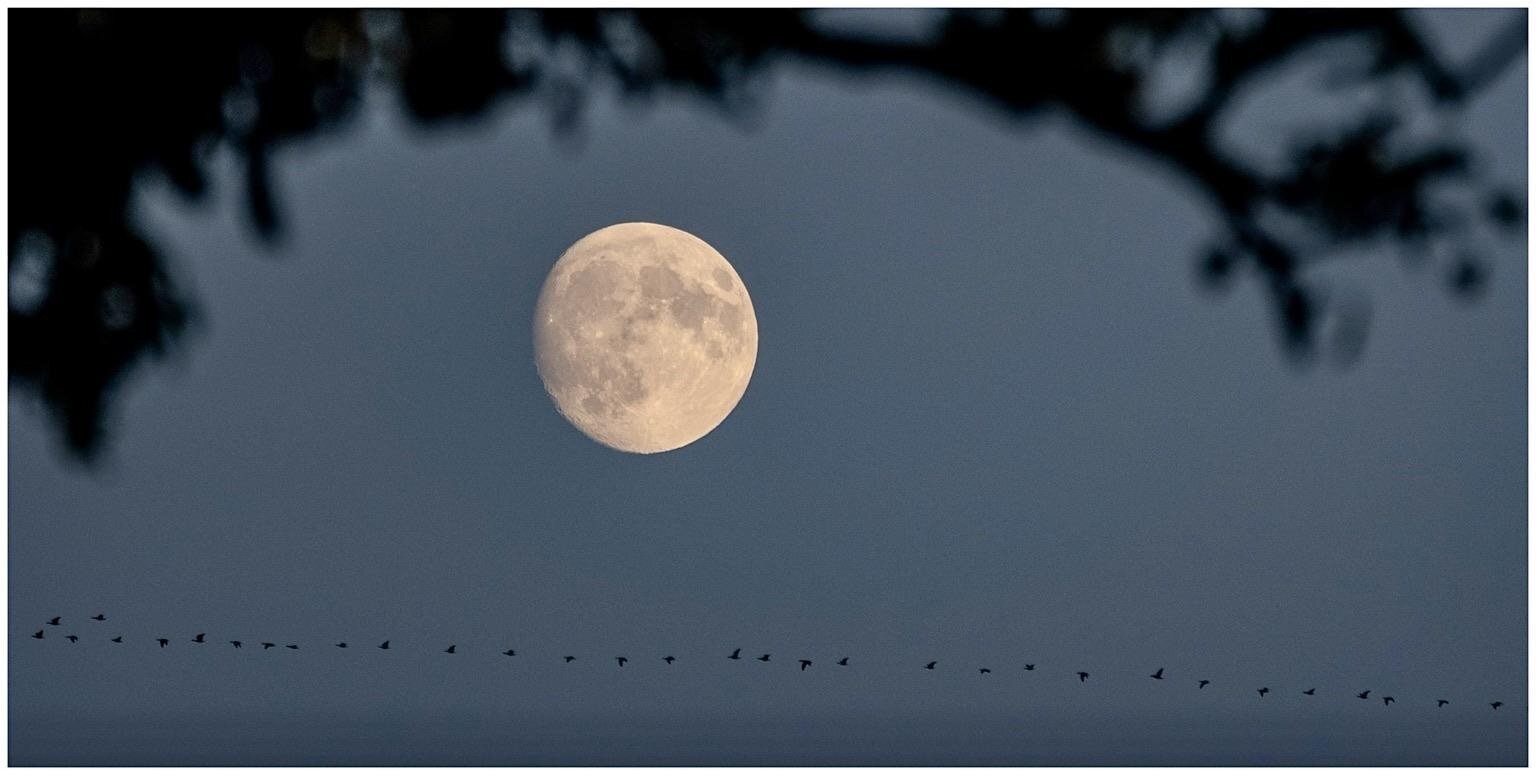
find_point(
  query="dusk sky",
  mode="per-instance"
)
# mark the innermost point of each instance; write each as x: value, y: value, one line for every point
x: 995, y: 419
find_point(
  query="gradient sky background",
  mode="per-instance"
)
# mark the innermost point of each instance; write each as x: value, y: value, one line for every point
x: 994, y: 420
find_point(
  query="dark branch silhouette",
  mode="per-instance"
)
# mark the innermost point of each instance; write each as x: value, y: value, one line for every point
x: 104, y: 99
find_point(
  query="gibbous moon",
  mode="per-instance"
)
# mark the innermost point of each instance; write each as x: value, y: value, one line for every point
x: 644, y: 336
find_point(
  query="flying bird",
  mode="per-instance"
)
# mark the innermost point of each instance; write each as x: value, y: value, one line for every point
x: 384, y: 645
x: 265, y: 645
x: 1310, y: 692
x: 450, y: 649
x: 236, y: 643
x: 38, y: 634
x: 1029, y: 667
x: 100, y: 617
x: 1081, y: 677
x: 1203, y: 683
x: 1495, y: 705
x: 1263, y: 691
x: 118, y: 639
x: 72, y: 638
x: 763, y: 658
x: 1159, y: 674
x: 843, y: 661
x: 1442, y: 703
x: 569, y: 660
x: 199, y: 638
x: 984, y: 671
x: 510, y: 652
x: 293, y: 646
x: 163, y: 642
x: 341, y: 645
x: 804, y: 663
x: 735, y: 654
x: 669, y: 660
x: 930, y: 665
x: 621, y: 660
x: 55, y: 620
x: 1365, y: 695
x: 1387, y: 700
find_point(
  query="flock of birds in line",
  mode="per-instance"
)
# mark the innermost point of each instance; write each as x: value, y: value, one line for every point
x: 1082, y: 676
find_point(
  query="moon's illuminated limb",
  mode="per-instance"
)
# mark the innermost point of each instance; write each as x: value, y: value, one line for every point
x: 644, y: 336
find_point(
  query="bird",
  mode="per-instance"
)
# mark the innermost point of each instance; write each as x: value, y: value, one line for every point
x: 38, y: 635
x: 118, y: 639
x: 1365, y: 695
x: 804, y: 663
x: 265, y: 645
x: 1310, y: 692
x: 843, y: 661
x: 735, y: 654
x: 1081, y: 677
x: 341, y: 645
x: 450, y: 649
x: 55, y: 620
x: 764, y: 658
x: 1159, y: 674
x: 669, y: 660
x: 984, y: 670
x: 384, y: 645
x: 1029, y: 666
x: 569, y: 660
x: 1263, y: 691
x: 510, y: 653
x: 236, y: 643
x: 1203, y: 682
x: 621, y: 660
x: 930, y: 665
x: 1495, y: 705
x: 1442, y: 703
x: 72, y: 638
x: 293, y: 646
x: 1387, y: 700
x: 163, y: 642
x: 199, y: 638
x: 100, y: 617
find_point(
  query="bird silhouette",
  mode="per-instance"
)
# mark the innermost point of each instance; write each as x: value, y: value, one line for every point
x: 384, y: 645
x: 1263, y: 691
x: 1387, y: 700
x: 55, y: 620
x: 265, y: 645
x: 1365, y: 695
x: 843, y: 661
x: 236, y: 643
x: 1495, y: 705
x: 118, y: 639
x: 1442, y: 703
x: 804, y: 663
x: 38, y: 635
x: 735, y: 654
x: 341, y: 645
x: 72, y: 638
x: 1081, y: 677
x: 1310, y: 692
x: 293, y: 646
x: 163, y: 642
x: 930, y: 665
x: 569, y: 660
x: 199, y: 638
x: 450, y: 649
x: 669, y: 660
x: 1159, y: 674
x: 764, y: 658
x: 99, y: 617
x: 984, y: 671
x: 621, y: 660
x: 510, y: 653
x: 1203, y: 683
x: 1029, y: 667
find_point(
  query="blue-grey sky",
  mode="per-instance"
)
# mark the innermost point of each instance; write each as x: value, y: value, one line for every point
x: 993, y: 421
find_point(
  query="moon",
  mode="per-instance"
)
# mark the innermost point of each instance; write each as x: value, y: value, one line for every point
x: 644, y: 336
